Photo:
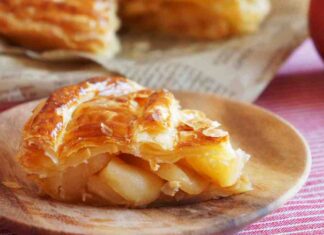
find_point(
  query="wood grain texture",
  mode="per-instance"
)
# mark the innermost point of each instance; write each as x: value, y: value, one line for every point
x: 278, y: 168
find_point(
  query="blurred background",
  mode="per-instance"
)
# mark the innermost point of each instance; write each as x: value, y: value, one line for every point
x: 279, y: 67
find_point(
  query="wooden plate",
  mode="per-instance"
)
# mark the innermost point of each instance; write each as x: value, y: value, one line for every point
x: 278, y: 168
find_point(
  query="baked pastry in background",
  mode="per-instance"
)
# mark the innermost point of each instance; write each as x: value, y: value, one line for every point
x: 91, y: 25
x: 198, y: 19
x: 110, y: 141
x: 75, y: 25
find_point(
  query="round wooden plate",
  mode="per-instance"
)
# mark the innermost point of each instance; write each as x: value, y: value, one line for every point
x: 278, y: 168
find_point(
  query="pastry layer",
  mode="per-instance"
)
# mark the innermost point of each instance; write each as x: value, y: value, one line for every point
x: 77, y: 25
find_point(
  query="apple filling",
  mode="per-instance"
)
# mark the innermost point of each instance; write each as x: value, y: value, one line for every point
x: 130, y: 181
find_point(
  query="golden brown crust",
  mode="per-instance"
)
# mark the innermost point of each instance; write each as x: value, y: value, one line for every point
x: 45, y: 129
x: 199, y: 19
x: 48, y: 120
x: 78, y: 25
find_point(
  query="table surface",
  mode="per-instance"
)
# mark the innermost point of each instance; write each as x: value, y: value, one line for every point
x: 296, y: 94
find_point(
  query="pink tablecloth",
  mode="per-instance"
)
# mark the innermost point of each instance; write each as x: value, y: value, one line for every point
x: 297, y: 94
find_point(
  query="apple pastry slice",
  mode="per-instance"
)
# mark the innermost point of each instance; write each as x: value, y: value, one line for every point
x: 198, y: 19
x: 110, y: 141
x: 69, y: 25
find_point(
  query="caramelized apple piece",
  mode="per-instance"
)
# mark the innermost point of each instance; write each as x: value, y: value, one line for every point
x: 222, y: 164
x: 97, y: 163
x: 71, y: 184
x: 189, y: 181
x: 242, y: 185
x: 136, y: 185
x: 68, y: 185
x: 101, y: 188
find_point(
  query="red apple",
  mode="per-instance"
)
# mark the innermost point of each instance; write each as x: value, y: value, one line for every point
x: 316, y: 24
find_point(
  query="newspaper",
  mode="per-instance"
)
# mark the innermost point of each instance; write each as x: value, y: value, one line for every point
x: 239, y: 68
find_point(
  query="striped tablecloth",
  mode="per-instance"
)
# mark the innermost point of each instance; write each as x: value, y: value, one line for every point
x: 297, y: 94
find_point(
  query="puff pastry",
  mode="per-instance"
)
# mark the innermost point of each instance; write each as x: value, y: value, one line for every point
x: 91, y: 25
x: 110, y: 141
x: 77, y: 25
x: 199, y: 19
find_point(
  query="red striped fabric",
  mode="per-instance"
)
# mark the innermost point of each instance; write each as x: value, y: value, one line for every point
x: 297, y: 94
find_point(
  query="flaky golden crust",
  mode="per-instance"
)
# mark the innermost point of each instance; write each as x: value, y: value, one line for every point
x: 45, y: 130
x: 91, y: 25
x: 199, y: 19
x: 77, y: 25
x: 85, y: 138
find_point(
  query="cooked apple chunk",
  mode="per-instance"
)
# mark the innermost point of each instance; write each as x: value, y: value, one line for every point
x: 222, y: 164
x: 136, y: 185
x: 189, y: 182
x: 100, y: 187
